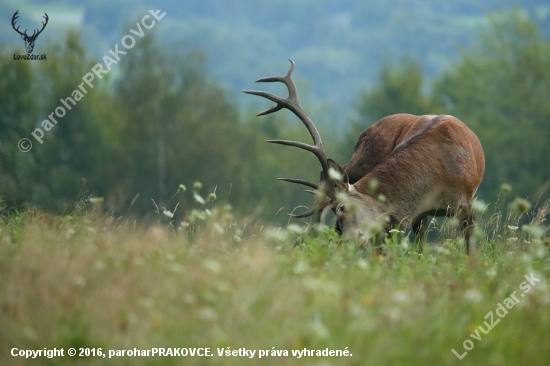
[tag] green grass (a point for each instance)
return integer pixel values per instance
(216, 281)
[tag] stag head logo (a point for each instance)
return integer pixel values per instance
(29, 40)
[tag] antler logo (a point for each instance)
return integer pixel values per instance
(29, 40)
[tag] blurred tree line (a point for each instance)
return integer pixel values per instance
(158, 120)
(154, 122)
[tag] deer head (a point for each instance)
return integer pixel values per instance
(29, 40)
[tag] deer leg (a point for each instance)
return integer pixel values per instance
(419, 227)
(466, 218)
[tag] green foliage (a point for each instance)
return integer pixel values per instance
(400, 90)
(18, 111)
(51, 174)
(155, 121)
(174, 127)
(501, 88)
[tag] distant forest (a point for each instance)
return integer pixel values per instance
(339, 46)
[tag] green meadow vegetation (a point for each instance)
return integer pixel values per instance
(218, 281)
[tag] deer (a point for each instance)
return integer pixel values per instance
(404, 168)
(29, 40)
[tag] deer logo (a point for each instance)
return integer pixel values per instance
(29, 40)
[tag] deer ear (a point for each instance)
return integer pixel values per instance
(340, 178)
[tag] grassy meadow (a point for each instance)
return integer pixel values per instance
(226, 283)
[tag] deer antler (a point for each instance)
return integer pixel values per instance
(34, 34)
(291, 103)
(43, 26)
(13, 19)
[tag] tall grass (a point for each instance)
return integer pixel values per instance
(214, 280)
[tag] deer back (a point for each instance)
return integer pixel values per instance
(436, 165)
(379, 140)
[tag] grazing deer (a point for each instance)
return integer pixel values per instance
(422, 165)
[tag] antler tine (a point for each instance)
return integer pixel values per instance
(44, 23)
(287, 80)
(321, 205)
(308, 213)
(291, 102)
(36, 31)
(314, 149)
(317, 208)
(13, 20)
(269, 96)
(300, 181)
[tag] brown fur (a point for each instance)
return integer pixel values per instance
(425, 165)
(379, 140)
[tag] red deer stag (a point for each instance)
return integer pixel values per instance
(424, 165)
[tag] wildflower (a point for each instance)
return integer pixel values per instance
(212, 265)
(473, 295)
(199, 199)
(95, 199)
(479, 206)
(505, 188)
(334, 174)
(373, 185)
(400, 296)
(519, 205)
